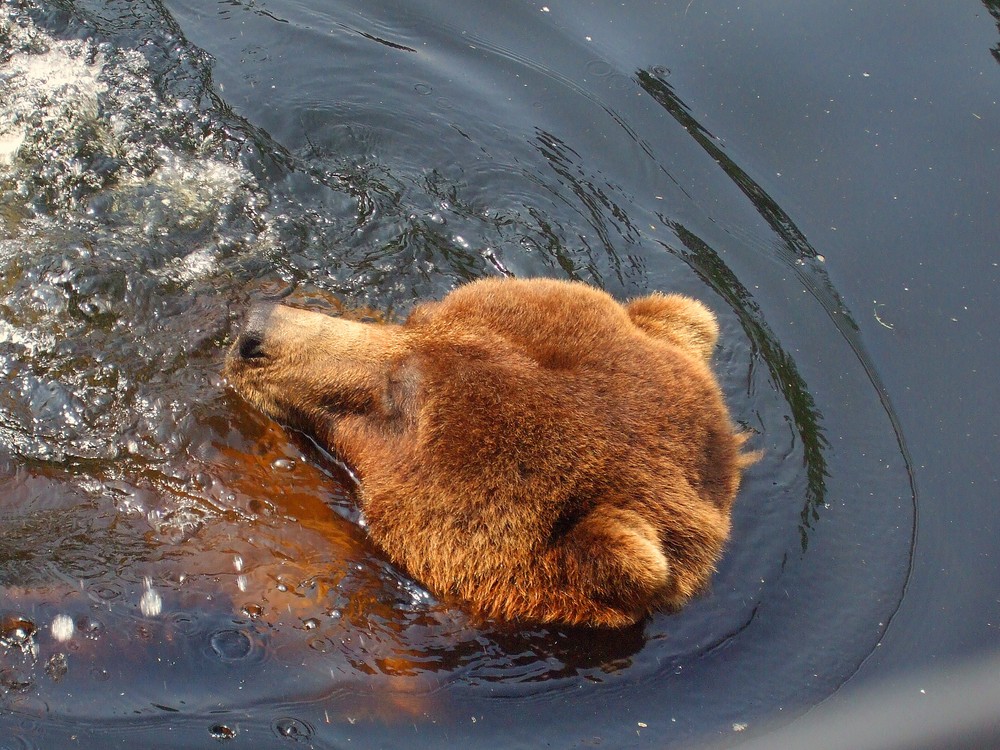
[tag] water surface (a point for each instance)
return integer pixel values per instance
(171, 559)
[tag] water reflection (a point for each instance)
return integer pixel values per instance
(993, 8)
(797, 254)
(784, 373)
(598, 211)
(713, 270)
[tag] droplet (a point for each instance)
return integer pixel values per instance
(283, 464)
(100, 674)
(310, 623)
(201, 480)
(253, 611)
(293, 729)
(62, 627)
(150, 604)
(16, 631)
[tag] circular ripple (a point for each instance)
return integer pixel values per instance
(231, 645)
(185, 623)
(17, 742)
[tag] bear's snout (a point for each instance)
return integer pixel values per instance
(250, 343)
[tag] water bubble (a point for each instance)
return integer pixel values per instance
(231, 645)
(90, 627)
(293, 729)
(310, 623)
(201, 480)
(222, 732)
(100, 674)
(283, 464)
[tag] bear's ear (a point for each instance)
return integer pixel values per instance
(683, 321)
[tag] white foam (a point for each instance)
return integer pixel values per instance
(50, 103)
(33, 342)
(53, 88)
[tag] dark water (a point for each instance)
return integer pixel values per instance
(175, 571)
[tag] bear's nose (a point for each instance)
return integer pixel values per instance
(250, 343)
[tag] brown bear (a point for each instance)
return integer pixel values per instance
(530, 448)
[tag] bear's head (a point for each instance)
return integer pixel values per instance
(531, 448)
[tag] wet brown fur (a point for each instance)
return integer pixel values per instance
(531, 448)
